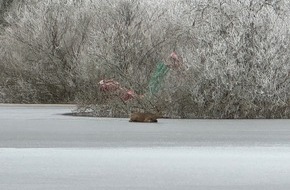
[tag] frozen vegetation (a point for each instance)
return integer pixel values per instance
(234, 55)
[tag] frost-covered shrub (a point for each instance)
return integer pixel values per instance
(235, 55)
(238, 53)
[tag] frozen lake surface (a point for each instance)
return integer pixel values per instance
(42, 149)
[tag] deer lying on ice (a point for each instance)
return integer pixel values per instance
(144, 117)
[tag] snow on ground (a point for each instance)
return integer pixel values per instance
(145, 168)
(42, 149)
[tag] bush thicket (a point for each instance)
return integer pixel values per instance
(235, 55)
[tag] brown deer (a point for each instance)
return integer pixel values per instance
(144, 117)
